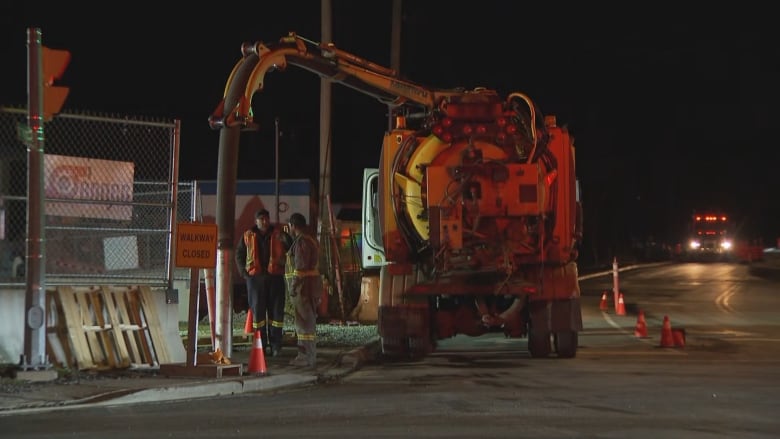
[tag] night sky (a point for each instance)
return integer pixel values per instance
(672, 110)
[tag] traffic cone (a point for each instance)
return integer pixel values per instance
(603, 305)
(621, 306)
(667, 339)
(678, 335)
(641, 326)
(249, 324)
(257, 356)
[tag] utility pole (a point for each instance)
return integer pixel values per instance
(43, 101)
(276, 165)
(326, 86)
(395, 48)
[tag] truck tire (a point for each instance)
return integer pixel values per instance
(539, 345)
(420, 347)
(566, 344)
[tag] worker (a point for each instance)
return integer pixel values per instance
(305, 288)
(260, 257)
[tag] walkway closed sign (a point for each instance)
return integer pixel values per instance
(196, 245)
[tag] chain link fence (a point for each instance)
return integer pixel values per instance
(108, 185)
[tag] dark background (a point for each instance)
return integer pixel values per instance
(672, 109)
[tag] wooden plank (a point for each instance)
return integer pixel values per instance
(123, 356)
(93, 328)
(78, 340)
(87, 315)
(153, 323)
(130, 335)
(106, 326)
(58, 346)
(201, 370)
(142, 337)
(103, 336)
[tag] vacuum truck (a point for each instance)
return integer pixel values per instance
(473, 214)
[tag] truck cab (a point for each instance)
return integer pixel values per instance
(710, 237)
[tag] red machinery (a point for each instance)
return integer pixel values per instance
(476, 204)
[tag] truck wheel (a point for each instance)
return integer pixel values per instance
(566, 344)
(392, 348)
(419, 347)
(406, 348)
(539, 345)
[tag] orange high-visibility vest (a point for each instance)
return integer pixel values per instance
(252, 257)
(277, 257)
(278, 254)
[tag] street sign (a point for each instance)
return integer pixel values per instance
(196, 245)
(24, 133)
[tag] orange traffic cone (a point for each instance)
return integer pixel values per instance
(678, 335)
(621, 306)
(667, 340)
(257, 356)
(249, 324)
(641, 326)
(603, 305)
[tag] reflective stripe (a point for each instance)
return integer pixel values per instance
(306, 273)
(307, 337)
(260, 324)
(252, 259)
(277, 257)
(277, 324)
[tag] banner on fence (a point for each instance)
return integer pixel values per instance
(100, 183)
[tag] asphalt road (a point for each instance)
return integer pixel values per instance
(722, 384)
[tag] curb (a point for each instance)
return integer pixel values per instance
(203, 390)
(271, 382)
(345, 364)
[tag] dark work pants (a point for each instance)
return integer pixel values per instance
(265, 293)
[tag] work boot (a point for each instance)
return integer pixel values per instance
(276, 349)
(310, 348)
(300, 361)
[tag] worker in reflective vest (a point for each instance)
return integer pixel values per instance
(260, 257)
(305, 288)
